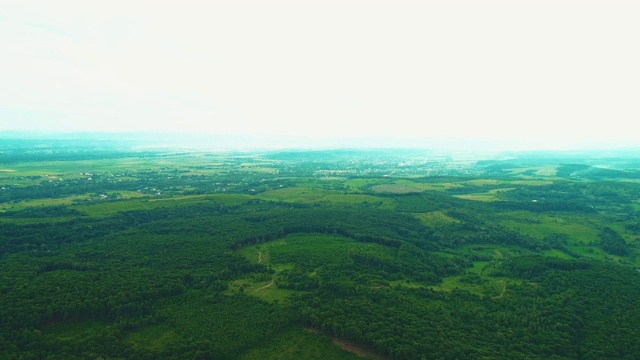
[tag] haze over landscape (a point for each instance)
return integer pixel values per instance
(319, 180)
(525, 75)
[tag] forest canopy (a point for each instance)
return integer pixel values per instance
(178, 255)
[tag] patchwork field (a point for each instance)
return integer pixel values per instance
(315, 255)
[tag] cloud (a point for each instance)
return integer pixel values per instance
(494, 70)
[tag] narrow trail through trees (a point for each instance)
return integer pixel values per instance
(504, 289)
(264, 287)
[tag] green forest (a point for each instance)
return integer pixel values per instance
(116, 253)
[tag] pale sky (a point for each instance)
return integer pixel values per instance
(531, 73)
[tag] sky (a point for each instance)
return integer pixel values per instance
(530, 74)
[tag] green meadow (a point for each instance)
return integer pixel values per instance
(173, 255)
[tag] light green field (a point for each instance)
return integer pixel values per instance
(154, 338)
(432, 186)
(72, 330)
(264, 290)
(21, 181)
(556, 253)
(332, 178)
(307, 195)
(106, 208)
(298, 248)
(195, 164)
(75, 168)
(297, 344)
(42, 202)
(484, 182)
(43, 220)
(474, 279)
(593, 252)
(479, 267)
(487, 196)
(69, 200)
(620, 228)
(258, 167)
(435, 218)
(358, 184)
(543, 225)
(297, 194)
(282, 254)
(487, 286)
(484, 197)
(394, 189)
(527, 182)
(405, 186)
(493, 250)
(543, 170)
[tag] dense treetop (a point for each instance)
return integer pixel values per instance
(399, 254)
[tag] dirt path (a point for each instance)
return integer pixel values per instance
(355, 349)
(504, 290)
(348, 346)
(259, 257)
(264, 287)
(292, 347)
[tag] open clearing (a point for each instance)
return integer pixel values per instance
(297, 344)
(490, 195)
(538, 225)
(544, 170)
(100, 209)
(154, 338)
(435, 218)
(394, 189)
(404, 185)
(306, 195)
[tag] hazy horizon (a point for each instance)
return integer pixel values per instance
(250, 142)
(525, 75)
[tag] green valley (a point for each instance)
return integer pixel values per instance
(125, 253)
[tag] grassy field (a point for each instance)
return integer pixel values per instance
(495, 251)
(154, 338)
(490, 195)
(296, 344)
(359, 184)
(435, 218)
(42, 202)
(403, 186)
(483, 182)
(298, 248)
(479, 285)
(106, 208)
(264, 290)
(313, 250)
(297, 194)
(543, 170)
(556, 253)
(70, 331)
(192, 164)
(308, 195)
(69, 200)
(539, 225)
(394, 189)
